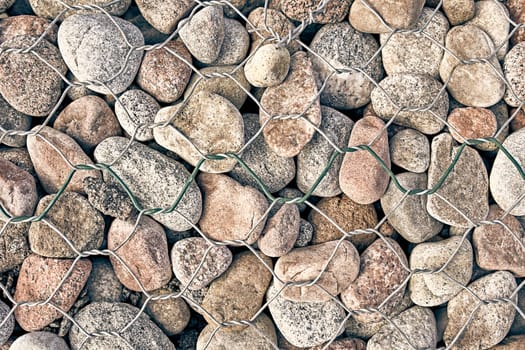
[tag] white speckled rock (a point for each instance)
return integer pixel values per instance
(136, 109)
(268, 66)
(11, 120)
(8, 326)
(514, 71)
(235, 45)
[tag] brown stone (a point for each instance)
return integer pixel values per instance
(51, 168)
(11, 27)
(281, 231)
(348, 215)
(14, 247)
(89, 121)
(362, 177)
(472, 123)
(145, 253)
(458, 11)
(306, 264)
(517, 14)
(19, 157)
(38, 279)
(261, 18)
(397, 14)
(299, 10)
(516, 342)
(518, 119)
(384, 269)
(172, 315)
(17, 190)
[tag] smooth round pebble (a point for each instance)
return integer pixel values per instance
(268, 66)
(136, 111)
(235, 45)
(410, 150)
(458, 11)
(39, 341)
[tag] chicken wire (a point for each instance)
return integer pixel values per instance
(267, 34)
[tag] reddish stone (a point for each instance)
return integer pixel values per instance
(17, 189)
(11, 27)
(472, 123)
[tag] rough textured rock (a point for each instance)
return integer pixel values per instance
(410, 150)
(517, 14)
(14, 121)
(38, 279)
(501, 112)
(51, 9)
(19, 157)
(299, 10)
(511, 343)
(8, 326)
(490, 322)
(244, 207)
(207, 123)
(103, 283)
(472, 123)
(39, 341)
(27, 83)
(465, 187)
(164, 15)
(113, 317)
(365, 187)
(135, 111)
(18, 194)
(268, 66)
(108, 198)
(5, 4)
(154, 179)
(145, 253)
(188, 254)
(14, 247)
(76, 220)
(235, 45)
(260, 19)
(295, 95)
(172, 315)
(514, 71)
(281, 231)
(94, 49)
(397, 15)
(306, 264)
(306, 232)
(458, 11)
(11, 27)
(344, 47)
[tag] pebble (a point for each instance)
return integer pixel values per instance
(289, 193)
(383, 258)
(135, 111)
(108, 198)
(207, 123)
(223, 197)
(239, 293)
(366, 187)
(465, 188)
(103, 283)
(7, 328)
(204, 34)
(27, 83)
(281, 231)
(274, 171)
(501, 112)
(38, 279)
(518, 119)
(164, 75)
(458, 11)
(410, 218)
(348, 215)
(76, 220)
(342, 46)
(89, 121)
(145, 253)
(497, 248)
(306, 264)
(154, 179)
(491, 322)
(11, 27)
(260, 20)
(433, 289)
(39, 341)
(14, 247)
(235, 45)
(410, 150)
(470, 42)
(514, 70)
(306, 232)
(188, 254)
(94, 49)
(51, 9)
(417, 324)
(164, 15)
(19, 157)
(13, 120)
(261, 337)
(517, 14)
(399, 15)
(315, 157)
(113, 317)
(414, 91)
(172, 315)
(287, 137)
(299, 10)
(305, 324)
(472, 123)
(268, 66)
(18, 194)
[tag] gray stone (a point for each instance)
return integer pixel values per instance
(316, 154)
(235, 45)
(18, 193)
(397, 15)
(108, 198)
(268, 66)
(164, 15)
(344, 47)
(112, 317)
(154, 179)
(39, 341)
(410, 150)
(414, 91)
(281, 231)
(51, 8)
(458, 11)
(465, 189)
(103, 284)
(13, 120)
(14, 247)
(306, 233)
(9, 325)
(514, 70)
(5, 4)
(135, 111)
(95, 50)
(410, 218)
(290, 193)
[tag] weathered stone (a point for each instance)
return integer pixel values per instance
(410, 150)
(501, 112)
(235, 45)
(12, 120)
(5, 4)
(103, 283)
(18, 193)
(471, 123)
(172, 315)
(8, 323)
(14, 247)
(268, 66)
(19, 157)
(397, 15)
(11, 27)
(516, 10)
(135, 111)
(261, 20)
(511, 343)
(300, 10)
(108, 198)
(458, 11)
(514, 70)
(281, 231)
(306, 232)
(39, 341)
(164, 15)
(51, 9)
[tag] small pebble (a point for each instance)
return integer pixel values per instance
(172, 315)
(39, 341)
(18, 193)
(306, 232)
(281, 231)
(135, 111)
(268, 66)
(410, 150)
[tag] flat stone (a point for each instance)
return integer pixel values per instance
(235, 45)
(154, 179)
(365, 187)
(113, 317)
(281, 231)
(89, 121)
(348, 215)
(18, 194)
(383, 258)
(432, 289)
(164, 15)
(239, 293)
(274, 171)
(164, 75)
(108, 198)
(51, 9)
(27, 83)
(472, 123)
(145, 253)
(135, 111)
(305, 324)
(417, 324)
(203, 34)
(172, 315)
(287, 137)
(316, 155)
(306, 232)
(244, 206)
(94, 49)
(470, 42)
(499, 247)
(13, 120)
(306, 264)
(76, 220)
(491, 322)
(410, 150)
(190, 254)
(103, 283)
(261, 20)
(268, 66)
(410, 218)
(342, 46)
(39, 340)
(14, 26)
(399, 15)
(513, 73)
(414, 91)
(458, 11)
(37, 281)
(14, 247)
